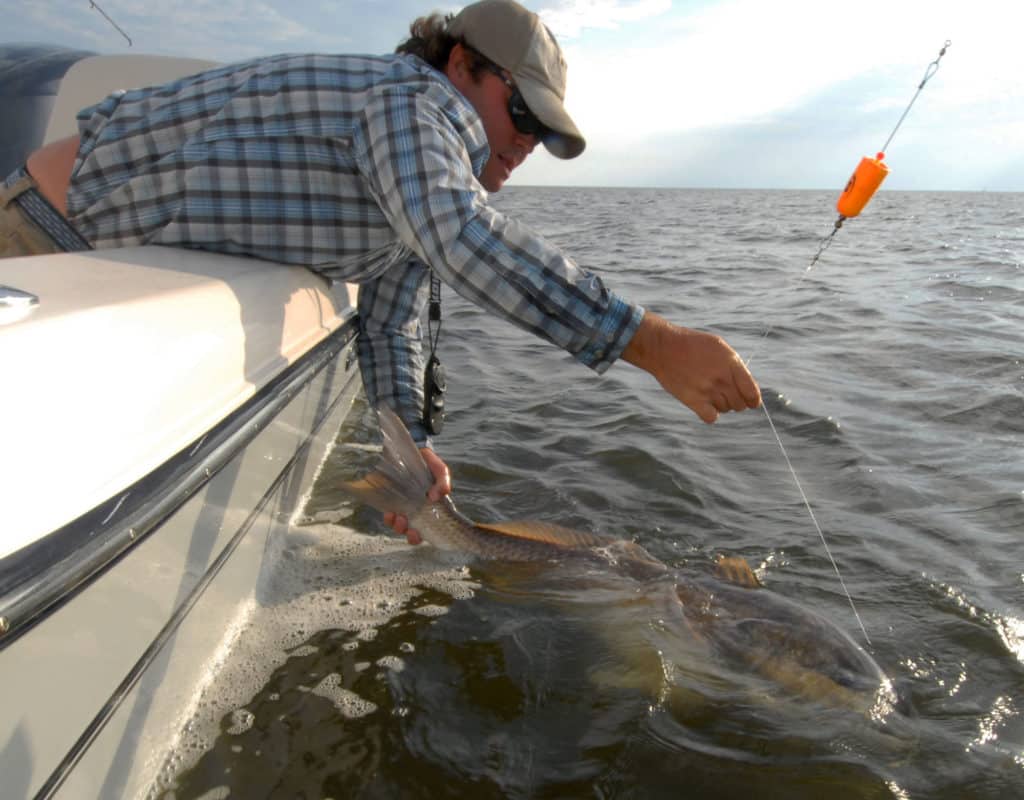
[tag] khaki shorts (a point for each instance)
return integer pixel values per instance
(19, 235)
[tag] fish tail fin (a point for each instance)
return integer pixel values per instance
(401, 479)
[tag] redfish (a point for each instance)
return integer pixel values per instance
(729, 611)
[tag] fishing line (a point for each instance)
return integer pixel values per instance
(863, 183)
(107, 17)
(821, 534)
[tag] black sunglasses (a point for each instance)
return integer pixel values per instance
(524, 120)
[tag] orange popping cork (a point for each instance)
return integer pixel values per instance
(863, 182)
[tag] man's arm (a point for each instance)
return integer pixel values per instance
(390, 343)
(419, 169)
(432, 201)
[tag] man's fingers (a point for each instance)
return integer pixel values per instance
(707, 412)
(736, 401)
(748, 388)
(442, 477)
(442, 486)
(400, 525)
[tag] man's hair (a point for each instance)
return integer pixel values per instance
(429, 39)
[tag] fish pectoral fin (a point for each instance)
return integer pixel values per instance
(548, 532)
(736, 570)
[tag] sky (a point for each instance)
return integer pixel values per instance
(691, 93)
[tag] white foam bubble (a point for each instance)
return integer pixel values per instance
(315, 578)
(346, 701)
(431, 611)
(332, 516)
(393, 663)
(216, 793)
(241, 720)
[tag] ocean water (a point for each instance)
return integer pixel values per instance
(894, 373)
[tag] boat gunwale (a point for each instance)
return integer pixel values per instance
(40, 577)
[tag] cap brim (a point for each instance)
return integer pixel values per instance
(565, 140)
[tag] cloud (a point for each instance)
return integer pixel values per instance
(570, 18)
(217, 29)
(220, 17)
(221, 30)
(740, 120)
(651, 83)
(746, 61)
(49, 20)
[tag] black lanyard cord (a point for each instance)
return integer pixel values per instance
(434, 314)
(434, 381)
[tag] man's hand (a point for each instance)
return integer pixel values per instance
(442, 486)
(699, 369)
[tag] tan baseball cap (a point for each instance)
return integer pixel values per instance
(516, 39)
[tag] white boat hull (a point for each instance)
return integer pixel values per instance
(163, 413)
(133, 556)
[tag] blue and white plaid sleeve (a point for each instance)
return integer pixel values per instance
(390, 342)
(420, 171)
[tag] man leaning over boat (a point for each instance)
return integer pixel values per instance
(370, 170)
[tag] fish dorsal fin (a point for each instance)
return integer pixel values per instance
(547, 532)
(736, 570)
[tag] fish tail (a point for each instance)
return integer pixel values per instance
(401, 479)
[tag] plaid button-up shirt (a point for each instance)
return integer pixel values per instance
(363, 169)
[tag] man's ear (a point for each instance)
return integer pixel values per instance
(457, 68)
